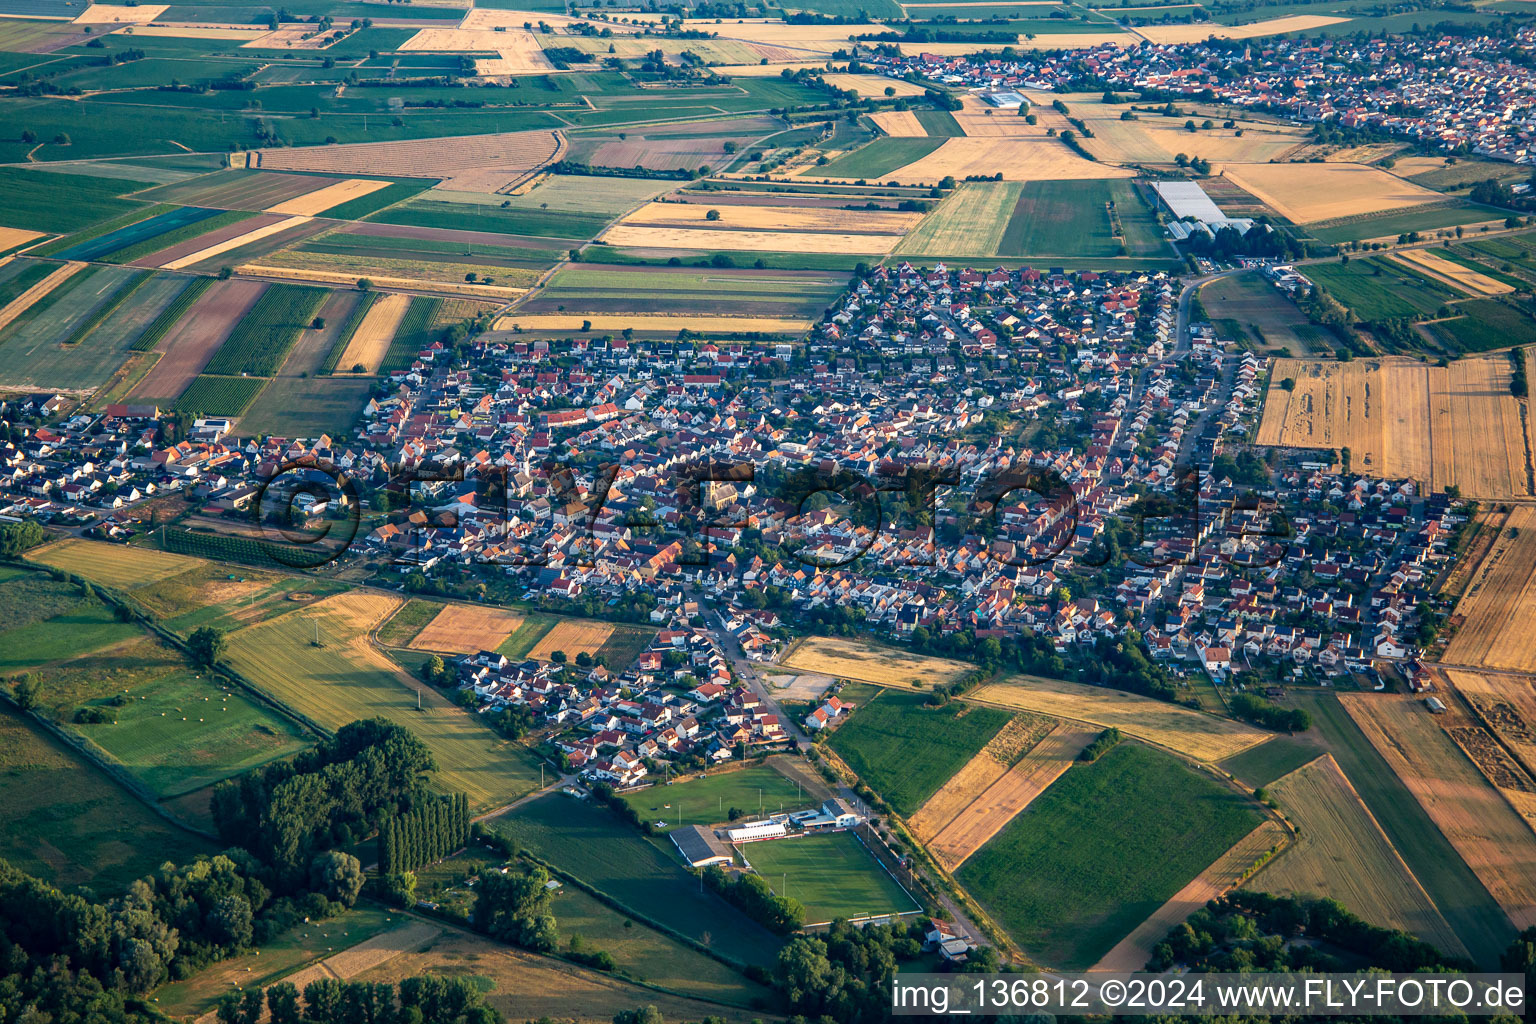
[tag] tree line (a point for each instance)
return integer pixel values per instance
(434, 829)
(427, 999)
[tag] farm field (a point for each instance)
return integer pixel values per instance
(352, 680)
(524, 986)
(756, 790)
(261, 339)
(1017, 158)
(193, 339)
(1495, 611)
(871, 663)
(832, 875)
(1491, 838)
(1078, 901)
(1307, 193)
(471, 162)
(267, 229)
(369, 343)
(1403, 418)
(647, 323)
(1483, 324)
(1192, 733)
(35, 357)
(407, 622)
(995, 806)
(1342, 853)
(645, 953)
(535, 625)
(467, 629)
(1377, 288)
(1452, 273)
(1506, 703)
(1077, 219)
(905, 749)
(777, 293)
(300, 946)
(968, 223)
(210, 395)
(68, 823)
(114, 565)
(37, 295)
(645, 876)
(1394, 222)
(1259, 310)
(174, 729)
(1132, 952)
(31, 200)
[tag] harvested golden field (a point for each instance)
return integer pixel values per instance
(771, 218)
(1401, 418)
(867, 85)
(472, 163)
(112, 14)
(821, 39)
(467, 629)
(1341, 852)
(189, 30)
(969, 222)
(112, 565)
(1192, 733)
(901, 124)
(1307, 193)
(323, 199)
(1490, 836)
(518, 52)
(1454, 274)
(997, 805)
(1507, 703)
(748, 241)
(1022, 733)
(218, 248)
(1132, 952)
(572, 636)
(10, 238)
(370, 342)
(1019, 159)
(1499, 605)
(1166, 34)
(869, 663)
(650, 322)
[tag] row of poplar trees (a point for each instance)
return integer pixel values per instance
(434, 828)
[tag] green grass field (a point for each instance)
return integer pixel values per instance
(68, 823)
(491, 217)
(527, 635)
(1484, 324)
(1377, 289)
(301, 945)
(1066, 218)
(905, 750)
(412, 618)
(346, 680)
(175, 729)
(32, 199)
(597, 289)
(1100, 850)
(78, 627)
(832, 875)
(307, 406)
(1263, 764)
(708, 800)
(1432, 218)
(1471, 912)
(879, 158)
(645, 875)
(647, 954)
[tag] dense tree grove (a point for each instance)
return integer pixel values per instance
(18, 537)
(1256, 931)
(429, 999)
(434, 829)
(514, 908)
(756, 899)
(331, 795)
